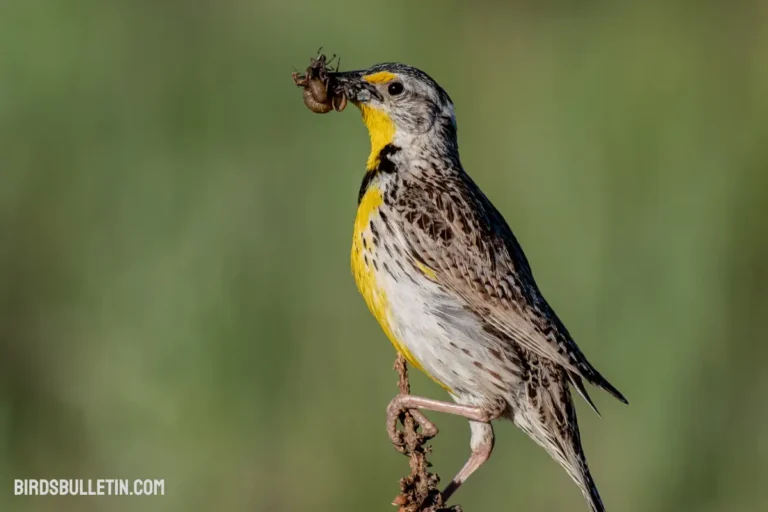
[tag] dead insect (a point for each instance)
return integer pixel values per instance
(316, 97)
(318, 88)
(319, 95)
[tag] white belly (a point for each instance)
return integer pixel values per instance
(446, 339)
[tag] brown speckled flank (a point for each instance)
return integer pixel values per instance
(443, 273)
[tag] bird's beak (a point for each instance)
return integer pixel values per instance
(354, 86)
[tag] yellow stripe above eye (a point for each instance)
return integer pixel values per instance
(380, 77)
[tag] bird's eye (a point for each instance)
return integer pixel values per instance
(395, 88)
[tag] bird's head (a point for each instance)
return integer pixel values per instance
(400, 105)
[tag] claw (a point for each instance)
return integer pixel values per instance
(428, 429)
(396, 436)
(395, 410)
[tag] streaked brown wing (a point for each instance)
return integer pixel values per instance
(459, 235)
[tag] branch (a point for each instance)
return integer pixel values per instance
(419, 491)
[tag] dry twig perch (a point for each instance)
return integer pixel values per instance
(419, 491)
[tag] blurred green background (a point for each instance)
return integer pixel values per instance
(175, 293)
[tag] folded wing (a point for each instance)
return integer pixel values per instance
(462, 242)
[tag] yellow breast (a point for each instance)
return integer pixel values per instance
(364, 271)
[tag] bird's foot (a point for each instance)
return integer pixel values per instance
(412, 419)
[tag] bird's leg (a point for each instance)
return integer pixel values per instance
(481, 443)
(412, 404)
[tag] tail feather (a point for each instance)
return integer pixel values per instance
(548, 416)
(576, 461)
(583, 478)
(589, 490)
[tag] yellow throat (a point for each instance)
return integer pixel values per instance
(381, 129)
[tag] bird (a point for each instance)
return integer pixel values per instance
(443, 274)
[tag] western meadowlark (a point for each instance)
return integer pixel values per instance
(445, 277)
